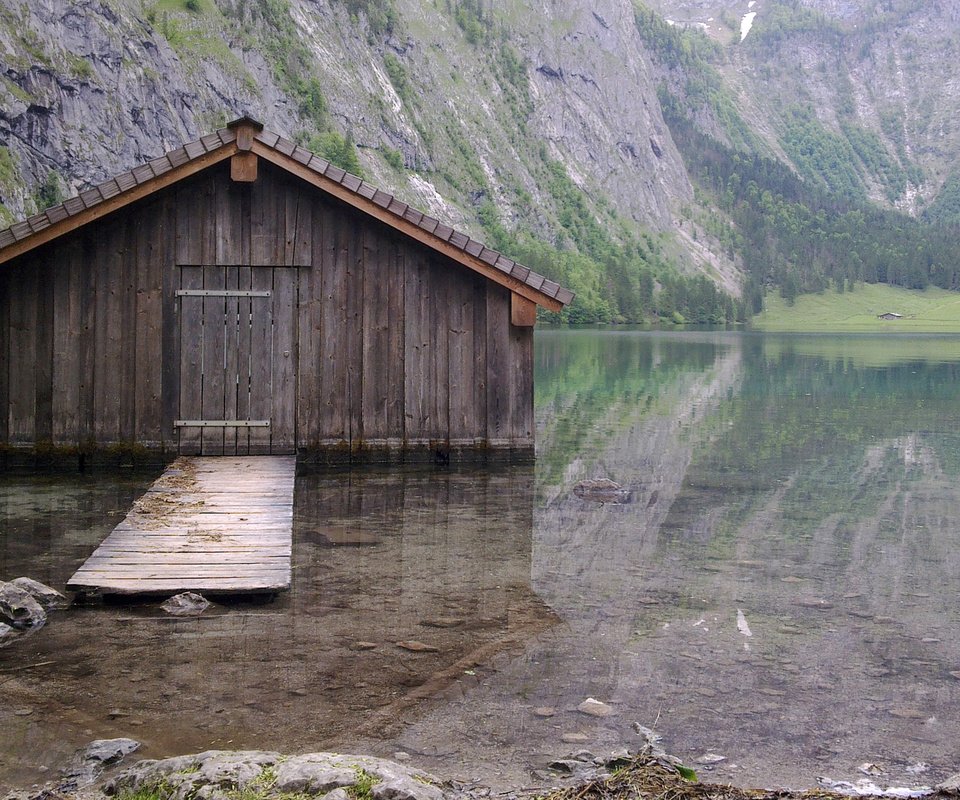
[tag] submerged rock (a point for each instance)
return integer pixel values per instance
(186, 604)
(48, 597)
(415, 646)
(594, 708)
(601, 490)
(7, 634)
(19, 609)
(708, 759)
(216, 773)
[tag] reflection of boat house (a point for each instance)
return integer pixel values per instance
(241, 295)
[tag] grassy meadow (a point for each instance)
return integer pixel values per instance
(928, 311)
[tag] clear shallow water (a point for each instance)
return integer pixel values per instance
(800, 489)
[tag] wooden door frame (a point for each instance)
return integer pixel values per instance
(282, 362)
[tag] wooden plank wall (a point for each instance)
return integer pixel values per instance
(394, 346)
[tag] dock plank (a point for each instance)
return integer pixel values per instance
(217, 525)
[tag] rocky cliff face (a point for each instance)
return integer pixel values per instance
(880, 76)
(93, 87)
(89, 89)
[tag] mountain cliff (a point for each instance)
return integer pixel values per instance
(570, 134)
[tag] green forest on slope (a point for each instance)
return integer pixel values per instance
(803, 232)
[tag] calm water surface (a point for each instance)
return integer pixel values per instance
(780, 587)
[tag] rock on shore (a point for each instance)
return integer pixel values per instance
(217, 774)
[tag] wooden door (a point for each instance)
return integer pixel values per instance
(237, 360)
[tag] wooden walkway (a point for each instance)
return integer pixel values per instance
(215, 525)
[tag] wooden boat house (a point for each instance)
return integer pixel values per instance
(242, 295)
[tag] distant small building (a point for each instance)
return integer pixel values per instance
(241, 295)
(890, 315)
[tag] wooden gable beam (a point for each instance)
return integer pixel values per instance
(523, 312)
(243, 167)
(404, 226)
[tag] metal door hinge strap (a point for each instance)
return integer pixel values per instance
(221, 423)
(220, 293)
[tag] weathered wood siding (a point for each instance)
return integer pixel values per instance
(391, 346)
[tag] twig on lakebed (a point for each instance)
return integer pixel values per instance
(27, 666)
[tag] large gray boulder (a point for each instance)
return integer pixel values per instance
(19, 609)
(7, 634)
(89, 762)
(48, 597)
(186, 604)
(215, 774)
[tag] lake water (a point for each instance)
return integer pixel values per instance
(778, 585)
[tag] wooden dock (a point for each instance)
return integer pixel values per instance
(217, 525)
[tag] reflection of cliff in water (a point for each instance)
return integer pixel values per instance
(618, 407)
(436, 560)
(663, 391)
(789, 601)
(780, 590)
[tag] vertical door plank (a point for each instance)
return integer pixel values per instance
(229, 247)
(229, 228)
(191, 359)
(204, 223)
(66, 345)
(479, 304)
(308, 317)
(333, 374)
(192, 235)
(89, 275)
(261, 193)
(499, 383)
(283, 424)
(418, 354)
(309, 355)
(244, 331)
(170, 323)
(354, 326)
(268, 219)
(245, 321)
(521, 370)
(442, 277)
(394, 378)
(23, 355)
(295, 221)
(261, 359)
(149, 355)
(461, 362)
(107, 374)
(128, 234)
(214, 346)
(231, 358)
(44, 328)
(5, 355)
(375, 322)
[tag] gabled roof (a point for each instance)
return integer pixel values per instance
(247, 135)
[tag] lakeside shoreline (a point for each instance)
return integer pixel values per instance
(103, 770)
